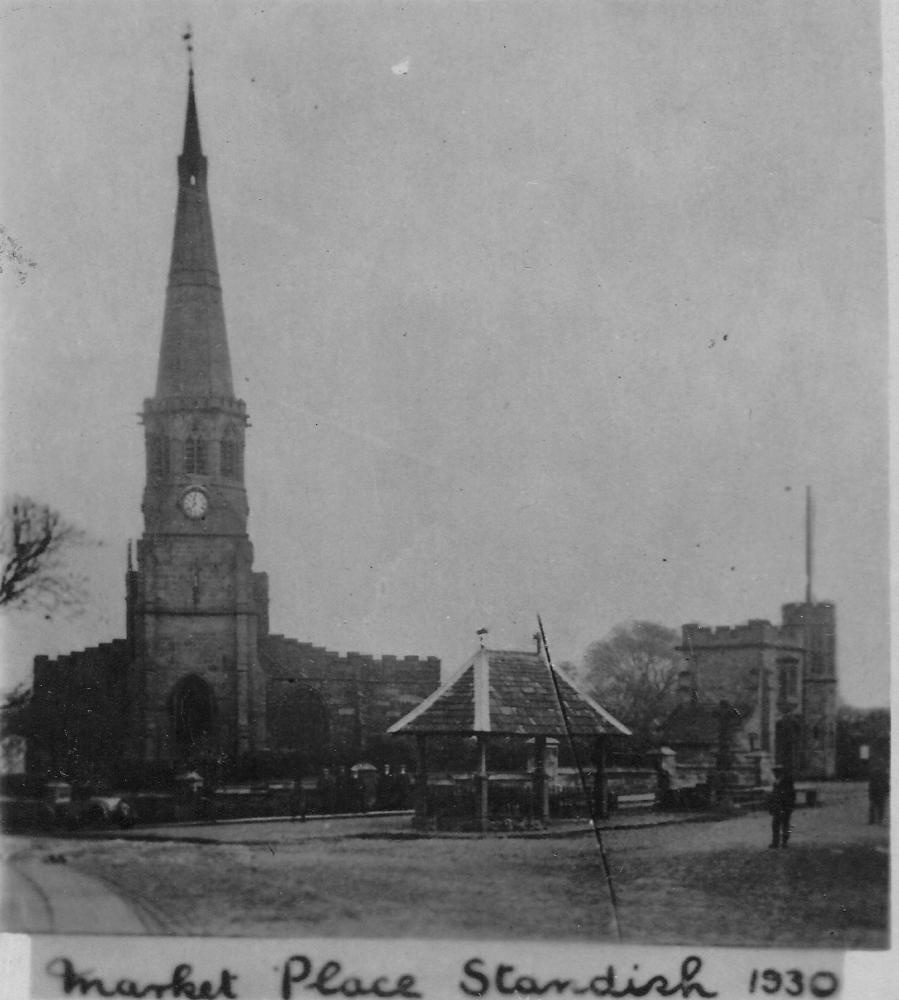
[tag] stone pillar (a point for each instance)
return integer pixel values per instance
(541, 788)
(421, 777)
(483, 800)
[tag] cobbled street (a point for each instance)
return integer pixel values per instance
(713, 882)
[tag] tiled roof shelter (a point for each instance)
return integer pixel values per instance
(509, 693)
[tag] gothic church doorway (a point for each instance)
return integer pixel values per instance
(192, 708)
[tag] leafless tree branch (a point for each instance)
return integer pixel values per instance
(34, 543)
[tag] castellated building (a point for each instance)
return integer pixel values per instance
(198, 676)
(776, 683)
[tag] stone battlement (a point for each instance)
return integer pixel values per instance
(102, 651)
(756, 631)
(385, 662)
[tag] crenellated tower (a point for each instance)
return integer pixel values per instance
(195, 607)
(781, 678)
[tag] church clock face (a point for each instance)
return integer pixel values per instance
(194, 503)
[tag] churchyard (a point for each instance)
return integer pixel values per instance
(712, 882)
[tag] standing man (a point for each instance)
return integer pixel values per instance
(780, 805)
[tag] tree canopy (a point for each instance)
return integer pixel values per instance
(633, 673)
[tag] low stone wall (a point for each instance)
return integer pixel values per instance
(23, 814)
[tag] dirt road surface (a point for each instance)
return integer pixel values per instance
(714, 883)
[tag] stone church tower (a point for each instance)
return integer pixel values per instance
(194, 603)
(199, 681)
(779, 680)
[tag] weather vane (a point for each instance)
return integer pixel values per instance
(187, 38)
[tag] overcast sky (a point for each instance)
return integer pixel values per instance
(548, 307)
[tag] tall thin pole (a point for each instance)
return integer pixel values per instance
(613, 899)
(809, 514)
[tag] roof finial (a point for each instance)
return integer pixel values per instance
(191, 158)
(187, 38)
(482, 635)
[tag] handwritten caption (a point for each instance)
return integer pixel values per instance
(299, 975)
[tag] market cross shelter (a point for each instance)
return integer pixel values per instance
(199, 677)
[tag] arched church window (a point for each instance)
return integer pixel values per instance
(196, 455)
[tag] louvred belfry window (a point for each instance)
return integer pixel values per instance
(195, 455)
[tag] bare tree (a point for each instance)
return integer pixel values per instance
(633, 672)
(15, 712)
(34, 540)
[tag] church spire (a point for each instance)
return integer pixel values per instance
(193, 360)
(191, 157)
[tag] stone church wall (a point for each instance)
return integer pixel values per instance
(334, 709)
(78, 713)
(192, 571)
(189, 645)
(353, 698)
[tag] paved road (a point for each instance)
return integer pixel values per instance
(41, 894)
(151, 894)
(841, 817)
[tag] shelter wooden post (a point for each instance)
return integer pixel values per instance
(541, 789)
(421, 777)
(600, 780)
(483, 803)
